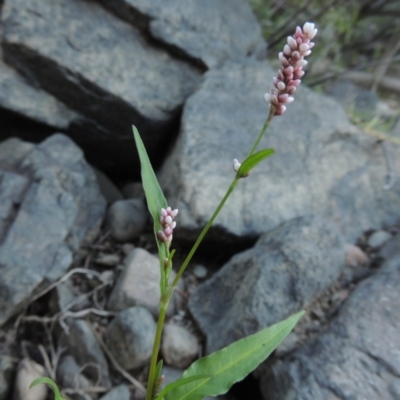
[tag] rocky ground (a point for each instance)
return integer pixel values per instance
(315, 227)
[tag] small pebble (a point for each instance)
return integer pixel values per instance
(379, 238)
(127, 248)
(108, 259)
(130, 337)
(28, 371)
(107, 277)
(179, 347)
(355, 256)
(200, 271)
(289, 344)
(126, 219)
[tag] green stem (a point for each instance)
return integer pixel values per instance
(156, 347)
(262, 132)
(166, 298)
(203, 232)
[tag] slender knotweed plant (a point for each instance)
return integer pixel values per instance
(216, 373)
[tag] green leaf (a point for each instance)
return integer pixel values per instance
(232, 363)
(51, 383)
(154, 196)
(250, 162)
(158, 369)
(178, 383)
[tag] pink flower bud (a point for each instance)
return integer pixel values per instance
(292, 43)
(236, 165)
(304, 47)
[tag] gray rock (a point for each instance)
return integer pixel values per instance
(379, 238)
(13, 151)
(179, 347)
(394, 388)
(139, 284)
(18, 96)
(391, 248)
(120, 392)
(357, 357)
(206, 31)
(7, 371)
(323, 165)
(287, 268)
(69, 376)
(100, 67)
(130, 337)
(53, 207)
(62, 297)
(110, 192)
(126, 219)
(85, 348)
(133, 190)
(171, 374)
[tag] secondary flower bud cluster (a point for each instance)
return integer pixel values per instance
(291, 71)
(167, 221)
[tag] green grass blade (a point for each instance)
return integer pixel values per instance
(232, 363)
(52, 384)
(154, 196)
(250, 162)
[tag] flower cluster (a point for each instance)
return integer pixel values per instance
(291, 72)
(167, 221)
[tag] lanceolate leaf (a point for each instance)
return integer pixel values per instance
(232, 363)
(250, 162)
(179, 382)
(154, 195)
(52, 384)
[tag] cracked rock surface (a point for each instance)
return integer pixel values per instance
(358, 356)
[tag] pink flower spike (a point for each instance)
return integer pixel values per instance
(292, 62)
(168, 224)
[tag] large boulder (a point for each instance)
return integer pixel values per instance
(50, 204)
(206, 31)
(357, 357)
(100, 67)
(323, 164)
(287, 268)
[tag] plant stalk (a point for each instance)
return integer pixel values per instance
(165, 299)
(156, 347)
(263, 130)
(204, 232)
